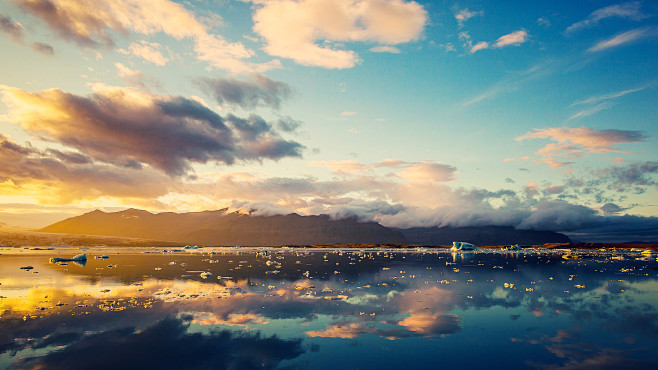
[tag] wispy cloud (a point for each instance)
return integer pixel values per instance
(590, 111)
(131, 76)
(43, 48)
(11, 28)
(465, 14)
(149, 51)
(629, 10)
(385, 49)
(511, 82)
(579, 142)
(621, 39)
(610, 96)
(511, 39)
(293, 29)
(602, 102)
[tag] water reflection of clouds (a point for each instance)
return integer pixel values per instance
(168, 344)
(419, 296)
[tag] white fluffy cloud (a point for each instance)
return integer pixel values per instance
(307, 31)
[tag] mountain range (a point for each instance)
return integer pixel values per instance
(223, 228)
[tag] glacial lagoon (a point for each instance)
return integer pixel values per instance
(328, 309)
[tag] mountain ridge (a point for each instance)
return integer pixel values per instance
(222, 228)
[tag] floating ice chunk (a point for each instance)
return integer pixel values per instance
(463, 246)
(272, 263)
(514, 247)
(102, 257)
(27, 268)
(76, 258)
(205, 275)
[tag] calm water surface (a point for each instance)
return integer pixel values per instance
(328, 309)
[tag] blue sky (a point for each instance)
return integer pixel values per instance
(533, 115)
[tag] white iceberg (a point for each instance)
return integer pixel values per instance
(463, 246)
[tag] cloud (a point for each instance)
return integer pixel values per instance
(260, 91)
(514, 38)
(609, 209)
(590, 111)
(42, 48)
(94, 24)
(54, 176)
(149, 51)
(292, 28)
(127, 127)
(581, 141)
(482, 45)
(385, 49)
(512, 81)
(610, 96)
(630, 10)
(465, 14)
(621, 39)
(135, 78)
(288, 124)
(620, 178)
(543, 22)
(11, 28)
(602, 102)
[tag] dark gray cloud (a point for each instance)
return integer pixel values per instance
(128, 128)
(288, 124)
(13, 29)
(633, 174)
(259, 92)
(611, 209)
(42, 48)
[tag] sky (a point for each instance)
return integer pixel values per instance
(536, 115)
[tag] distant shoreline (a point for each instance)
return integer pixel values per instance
(40, 240)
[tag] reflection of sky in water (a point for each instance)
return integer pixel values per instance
(327, 309)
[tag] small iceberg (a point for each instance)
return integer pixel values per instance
(205, 275)
(463, 246)
(76, 258)
(514, 247)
